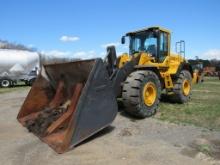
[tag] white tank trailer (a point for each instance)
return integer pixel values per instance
(18, 65)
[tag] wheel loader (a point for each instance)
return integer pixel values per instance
(70, 102)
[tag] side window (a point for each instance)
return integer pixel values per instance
(150, 45)
(164, 42)
(163, 45)
(137, 44)
(150, 41)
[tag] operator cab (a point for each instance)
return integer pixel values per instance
(154, 40)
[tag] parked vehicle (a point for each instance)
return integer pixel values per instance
(210, 71)
(18, 65)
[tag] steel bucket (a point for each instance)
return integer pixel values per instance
(68, 103)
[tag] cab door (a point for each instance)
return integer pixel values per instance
(163, 46)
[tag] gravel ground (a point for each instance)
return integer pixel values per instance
(126, 141)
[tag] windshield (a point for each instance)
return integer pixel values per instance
(143, 42)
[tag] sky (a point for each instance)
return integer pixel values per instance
(83, 28)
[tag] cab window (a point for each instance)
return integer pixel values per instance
(163, 46)
(144, 42)
(150, 45)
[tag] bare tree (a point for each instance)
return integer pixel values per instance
(9, 45)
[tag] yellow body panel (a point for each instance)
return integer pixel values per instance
(171, 62)
(123, 59)
(167, 68)
(146, 59)
(195, 77)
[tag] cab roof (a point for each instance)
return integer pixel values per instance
(147, 29)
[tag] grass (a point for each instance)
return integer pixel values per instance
(12, 89)
(203, 110)
(205, 148)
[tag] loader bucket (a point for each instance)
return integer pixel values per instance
(68, 103)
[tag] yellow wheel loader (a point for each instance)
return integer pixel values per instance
(198, 74)
(69, 102)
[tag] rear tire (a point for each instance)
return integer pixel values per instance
(182, 87)
(141, 93)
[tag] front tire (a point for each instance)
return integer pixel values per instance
(141, 93)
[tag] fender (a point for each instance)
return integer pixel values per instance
(184, 66)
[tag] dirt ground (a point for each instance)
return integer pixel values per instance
(126, 141)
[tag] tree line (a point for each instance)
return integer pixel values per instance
(206, 63)
(15, 46)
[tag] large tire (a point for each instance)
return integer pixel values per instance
(141, 93)
(5, 83)
(182, 87)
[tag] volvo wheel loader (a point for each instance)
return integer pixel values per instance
(69, 102)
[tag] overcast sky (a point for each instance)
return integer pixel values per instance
(83, 28)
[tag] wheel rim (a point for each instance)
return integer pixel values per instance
(186, 87)
(5, 83)
(149, 93)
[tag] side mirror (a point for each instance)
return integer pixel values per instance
(123, 40)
